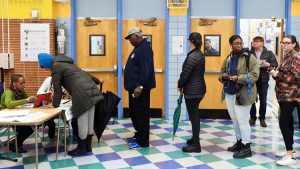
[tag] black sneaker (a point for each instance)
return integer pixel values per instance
(236, 147)
(244, 152)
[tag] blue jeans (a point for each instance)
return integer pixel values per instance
(239, 115)
(262, 89)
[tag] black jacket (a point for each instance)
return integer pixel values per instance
(139, 69)
(192, 75)
(269, 57)
(77, 82)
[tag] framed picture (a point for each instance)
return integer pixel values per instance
(149, 39)
(212, 45)
(97, 45)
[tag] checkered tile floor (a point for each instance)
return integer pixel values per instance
(164, 152)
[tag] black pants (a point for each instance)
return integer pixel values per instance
(139, 108)
(192, 106)
(262, 89)
(23, 132)
(286, 123)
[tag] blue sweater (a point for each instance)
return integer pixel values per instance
(139, 69)
(233, 63)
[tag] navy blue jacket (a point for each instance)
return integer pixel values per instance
(139, 69)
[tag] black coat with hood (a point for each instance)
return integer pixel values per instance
(77, 82)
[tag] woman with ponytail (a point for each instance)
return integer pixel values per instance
(287, 78)
(192, 84)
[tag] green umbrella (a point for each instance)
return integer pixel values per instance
(176, 116)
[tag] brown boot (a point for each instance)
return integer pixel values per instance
(263, 123)
(252, 121)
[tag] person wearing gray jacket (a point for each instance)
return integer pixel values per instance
(83, 89)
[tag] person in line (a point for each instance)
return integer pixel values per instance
(192, 85)
(239, 74)
(13, 97)
(139, 80)
(85, 94)
(267, 60)
(287, 77)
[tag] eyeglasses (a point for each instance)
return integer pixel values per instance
(285, 43)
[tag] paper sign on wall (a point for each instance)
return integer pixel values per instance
(35, 39)
(177, 45)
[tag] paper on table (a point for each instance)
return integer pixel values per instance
(14, 113)
(32, 117)
(28, 118)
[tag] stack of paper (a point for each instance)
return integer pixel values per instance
(20, 116)
(14, 113)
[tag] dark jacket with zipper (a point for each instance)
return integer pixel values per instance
(139, 69)
(270, 58)
(192, 75)
(79, 84)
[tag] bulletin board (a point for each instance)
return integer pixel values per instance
(35, 39)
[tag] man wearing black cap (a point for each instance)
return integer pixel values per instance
(139, 79)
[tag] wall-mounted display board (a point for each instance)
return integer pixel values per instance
(35, 39)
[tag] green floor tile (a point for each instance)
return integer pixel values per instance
(92, 166)
(208, 158)
(177, 154)
(241, 162)
(62, 163)
(274, 165)
(217, 141)
(148, 151)
(182, 124)
(31, 159)
(11, 155)
(159, 122)
(100, 144)
(165, 135)
(122, 130)
(121, 147)
(202, 126)
(224, 128)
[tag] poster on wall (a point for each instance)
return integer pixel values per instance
(97, 45)
(212, 45)
(35, 39)
(177, 45)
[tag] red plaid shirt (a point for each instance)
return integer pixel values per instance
(288, 79)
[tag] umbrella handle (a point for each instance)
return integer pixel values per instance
(181, 91)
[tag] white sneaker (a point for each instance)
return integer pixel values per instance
(287, 160)
(283, 153)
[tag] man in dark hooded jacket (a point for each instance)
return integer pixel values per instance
(267, 60)
(85, 94)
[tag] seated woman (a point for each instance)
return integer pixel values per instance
(13, 97)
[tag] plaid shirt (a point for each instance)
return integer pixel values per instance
(288, 79)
